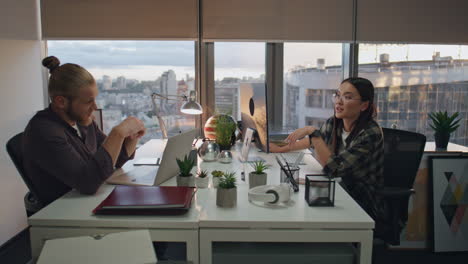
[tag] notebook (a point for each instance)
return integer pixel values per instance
(146, 200)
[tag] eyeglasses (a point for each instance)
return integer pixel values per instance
(345, 98)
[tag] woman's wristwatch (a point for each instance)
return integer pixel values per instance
(316, 133)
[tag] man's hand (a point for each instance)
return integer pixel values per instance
(299, 133)
(131, 127)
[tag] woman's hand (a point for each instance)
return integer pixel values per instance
(299, 133)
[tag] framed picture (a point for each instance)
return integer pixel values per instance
(98, 118)
(449, 195)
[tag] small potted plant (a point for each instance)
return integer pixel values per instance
(202, 180)
(443, 125)
(185, 177)
(225, 128)
(216, 176)
(226, 194)
(258, 176)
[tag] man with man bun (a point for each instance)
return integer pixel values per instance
(63, 147)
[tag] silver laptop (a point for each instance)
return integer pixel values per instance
(176, 147)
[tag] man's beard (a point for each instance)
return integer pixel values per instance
(77, 118)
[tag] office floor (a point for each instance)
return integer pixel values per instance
(18, 251)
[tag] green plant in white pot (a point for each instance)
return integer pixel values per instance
(258, 176)
(216, 176)
(185, 177)
(202, 180)
(443, 125)
(226, 194)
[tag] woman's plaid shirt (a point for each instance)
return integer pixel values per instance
(360, 165)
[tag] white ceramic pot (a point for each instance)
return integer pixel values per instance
(226, 197)
(215, 181)
(186, 181)
(202, 182)
(257, 179)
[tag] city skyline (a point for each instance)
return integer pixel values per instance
(147, 60)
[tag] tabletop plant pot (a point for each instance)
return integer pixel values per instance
(258, 176)
(185, 177)
(202, 180)
(216, 176)
(443, 126)
(226, 194)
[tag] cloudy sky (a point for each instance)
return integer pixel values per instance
(147, 60)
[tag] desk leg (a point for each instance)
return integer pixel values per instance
(365, 248)
(206, 248)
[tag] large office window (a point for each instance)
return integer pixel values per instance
(128, 72)
(236, 63)
(312, 72)
(412, 80)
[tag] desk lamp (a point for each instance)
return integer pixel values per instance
(190, 107)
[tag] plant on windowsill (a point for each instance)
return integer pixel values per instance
(443, 125)
(185, 177)
(202, 180)
(226, 194)
(258, 176)
(225, 128)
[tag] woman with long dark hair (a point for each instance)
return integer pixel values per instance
(349, 145)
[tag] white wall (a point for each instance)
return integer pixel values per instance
(21, 95)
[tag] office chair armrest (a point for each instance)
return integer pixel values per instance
(395, 192)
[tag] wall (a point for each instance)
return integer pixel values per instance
(21, 95)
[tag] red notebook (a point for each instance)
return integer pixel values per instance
(146, 200)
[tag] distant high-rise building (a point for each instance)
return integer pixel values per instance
(168, 86)
(121, 83)
(106, 82)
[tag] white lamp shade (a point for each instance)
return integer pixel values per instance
(191, 108)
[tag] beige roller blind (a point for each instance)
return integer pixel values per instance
(120, 19)
(413, 21)
(277, 20)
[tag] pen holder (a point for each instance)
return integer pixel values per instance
(320, 190)
(295, 173)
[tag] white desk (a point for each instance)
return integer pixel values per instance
(251, 222)
(206, 223)
(71, 216)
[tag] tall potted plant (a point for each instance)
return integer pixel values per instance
(225, 128)
(443, 125)
(226, 194)
(185, 177)
(258, 176)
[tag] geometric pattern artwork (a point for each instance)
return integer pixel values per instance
(454, 203)
(449, 202)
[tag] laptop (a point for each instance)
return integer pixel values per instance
(244, 157)
(176, 147)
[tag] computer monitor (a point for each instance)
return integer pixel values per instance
(254, 112)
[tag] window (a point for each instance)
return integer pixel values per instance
(236, 63)
(128, 72)
(412, 80)
(312, 72)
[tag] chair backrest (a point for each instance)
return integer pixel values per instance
(14, 148)
(403, 152)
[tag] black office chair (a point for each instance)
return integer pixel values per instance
(403, 152)
(14, 148)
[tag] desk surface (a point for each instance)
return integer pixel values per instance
(451, 147)
(74, 210)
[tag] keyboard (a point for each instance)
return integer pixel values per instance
(291, 157)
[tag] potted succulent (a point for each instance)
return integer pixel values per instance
(258, 176)
(226, 194)
(225, 128)
(202, 180)
(216, 176)
(443, 125)
(185, 177)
